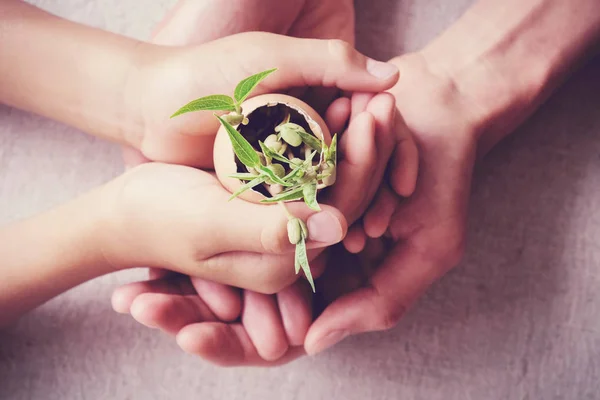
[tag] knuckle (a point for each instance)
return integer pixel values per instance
(340, 50)
(389, 317)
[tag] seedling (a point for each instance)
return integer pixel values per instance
(285, 162)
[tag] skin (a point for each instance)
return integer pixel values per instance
(248, 328)
(458, 97)
(114, 89)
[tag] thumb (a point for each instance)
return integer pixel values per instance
(263, 228)
(316, 62)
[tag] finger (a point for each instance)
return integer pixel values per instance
(296, 312)
(169, 312)
(395, 286)
(310, 62)
(224, 301)
(405, 161)
(264, 229)
(336, 116)
(123, 296)
(360, 101)
(357, 147)
(383, 109)
(227, 345)
(356, 239)
(262, 321)
(377, 219)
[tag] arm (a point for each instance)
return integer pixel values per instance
(48, 254)
(504, 58)
(72, 73)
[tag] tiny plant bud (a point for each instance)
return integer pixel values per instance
(289, 133)
(275, 189)
(233, 118)
(297, 230)
(294, 230)
(278, 170)
(272, 143)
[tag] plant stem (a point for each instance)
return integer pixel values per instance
(287, 212)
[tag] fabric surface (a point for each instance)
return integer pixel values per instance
(517, 320)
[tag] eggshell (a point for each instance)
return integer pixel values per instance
(224, 157)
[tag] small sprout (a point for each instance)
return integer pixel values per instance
(233, 118)
(275, 189)
(297, 230)
(274, 144)
(290, 135)
(275, 165)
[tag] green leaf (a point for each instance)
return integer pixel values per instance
(310, 140)
(296, 262)
(243, 150)
(243, 176)
(310, 196)
(302, 259)
(293, 173)
(271, 154)
(289, 195)
(332, 151)
(247, 186)
(267, 173)
(243, 89)
(217, 102)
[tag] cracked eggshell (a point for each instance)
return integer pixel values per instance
(224, 157)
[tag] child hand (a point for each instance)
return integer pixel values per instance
(230, 327)
(180, 218)
(171, 77)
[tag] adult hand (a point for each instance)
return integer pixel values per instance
(427, 229)
(197, 22)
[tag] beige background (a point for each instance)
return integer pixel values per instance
(518, 320)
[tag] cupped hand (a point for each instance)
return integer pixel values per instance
(170, 77)
(181, 219)
(230, 327)
(426, 232)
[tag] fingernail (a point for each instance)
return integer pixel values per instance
(328, 341)
(381, 70)
(324, 227)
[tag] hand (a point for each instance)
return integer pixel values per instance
(196, 22)
(179, 218)
(171, 77)
(427, 230)
(209, 320)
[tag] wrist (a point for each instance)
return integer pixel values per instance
(503, 59)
